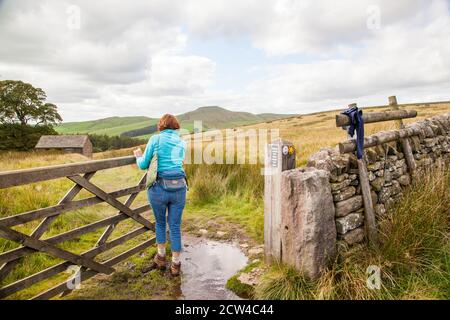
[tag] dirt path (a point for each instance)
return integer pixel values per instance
(207, 265)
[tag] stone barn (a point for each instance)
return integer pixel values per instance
(68, 143)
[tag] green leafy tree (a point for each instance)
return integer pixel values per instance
(48, 114)
(103, 142)
(22, 103)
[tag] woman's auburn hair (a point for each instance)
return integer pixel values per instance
(168, 121)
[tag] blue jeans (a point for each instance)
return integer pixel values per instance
(173, 203)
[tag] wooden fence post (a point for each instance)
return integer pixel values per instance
(406, 146)
(394, 106)
(280, 156)
(369, 215)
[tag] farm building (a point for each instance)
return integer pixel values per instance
(68, 143)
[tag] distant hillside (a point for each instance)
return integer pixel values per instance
(219, 118)
(113, 126)
(142, 127)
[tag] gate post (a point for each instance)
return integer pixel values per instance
(308, 225)
(279, 157)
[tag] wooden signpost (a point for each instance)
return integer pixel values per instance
(280, 156)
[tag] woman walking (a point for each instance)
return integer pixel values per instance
(168, 192)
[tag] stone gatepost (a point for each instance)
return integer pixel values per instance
(308, 234)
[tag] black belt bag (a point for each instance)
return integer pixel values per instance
(173, 184)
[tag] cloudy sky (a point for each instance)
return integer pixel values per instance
(104, 58)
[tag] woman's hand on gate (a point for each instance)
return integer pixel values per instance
(137, 153)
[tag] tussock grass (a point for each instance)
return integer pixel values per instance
(210, 183)
(208, 187)
(285, 283)
(413, 254)
(230, 192)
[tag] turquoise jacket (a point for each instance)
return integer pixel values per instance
(171, 151)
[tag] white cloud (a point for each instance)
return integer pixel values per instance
(180, 74)
(118, 48)
(399, 58)
(290, 26)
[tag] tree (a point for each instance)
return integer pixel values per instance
(18, 137)
(47, 114)
(22, 103)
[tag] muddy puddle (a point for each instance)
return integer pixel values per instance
(207, 265)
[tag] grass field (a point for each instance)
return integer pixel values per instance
(221, 197)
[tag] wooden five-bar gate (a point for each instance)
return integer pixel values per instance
(80, 174)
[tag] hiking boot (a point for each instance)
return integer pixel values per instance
(175, 269)
(159, 263)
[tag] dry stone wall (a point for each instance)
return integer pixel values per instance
(388, 174)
